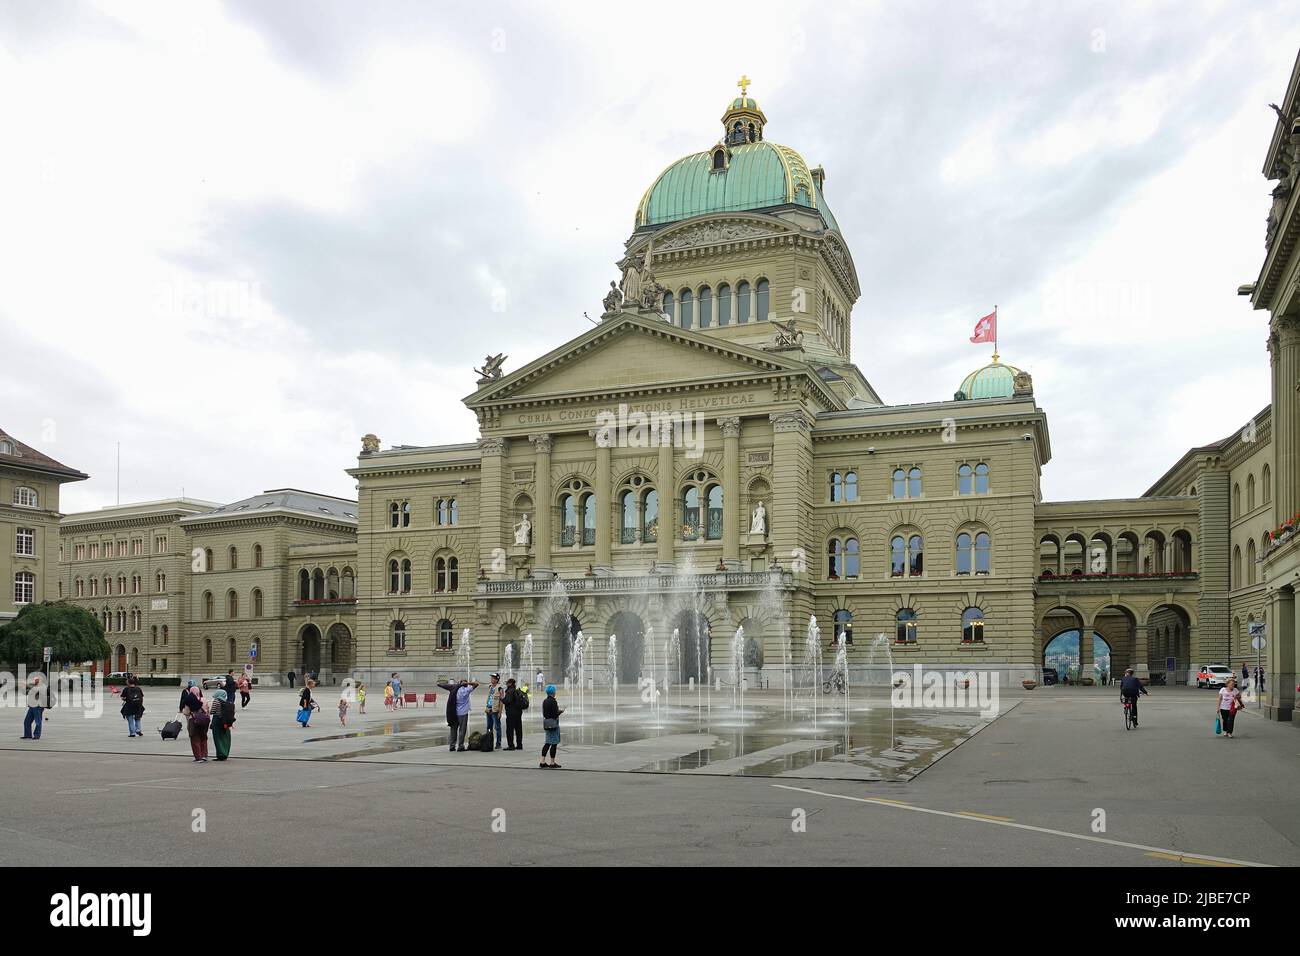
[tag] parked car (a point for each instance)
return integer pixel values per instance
(214, 683)
(1212, 675)
(1050, 676)
(117, 678)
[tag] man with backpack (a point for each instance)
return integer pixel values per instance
(515, 702)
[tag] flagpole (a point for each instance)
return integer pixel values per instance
(995, 334)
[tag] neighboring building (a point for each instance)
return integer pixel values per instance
(128, 565)
(272, 582)
(29, 525)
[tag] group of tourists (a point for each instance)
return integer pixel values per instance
(202, 716)
(508, 701)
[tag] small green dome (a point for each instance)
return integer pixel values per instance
(994, 380)
(756, 176)
(744, 103)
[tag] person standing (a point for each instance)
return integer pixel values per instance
(223, 718)
(1229, 703)
(1245, 674)
(231, 686)
(515, 702)
(1259, 679)
(343, 709)
(494, 708)
(305, 704)
(245, 690)
(38, 698)
(462, 710)
(551, 711)
(197, 720)
(361, 698)
(453, 722)
(397, 690)
(132, 705)
(540, 682)
(292, 675)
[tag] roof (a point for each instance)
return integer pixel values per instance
(140, 509)
(759, 175)
(27, 457)
(995, 380)
(282, 500)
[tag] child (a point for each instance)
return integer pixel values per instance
(343, 709)
(388, 695)
(361, 698)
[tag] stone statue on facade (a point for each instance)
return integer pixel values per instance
(613, 298)
(369, 444)
(523, 531)
(787, 336)
(634, 270)
(652, 294)
(758, 524)
(491, 370)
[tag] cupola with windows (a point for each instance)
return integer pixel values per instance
(995, 380)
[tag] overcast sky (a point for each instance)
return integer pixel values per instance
(235, 237)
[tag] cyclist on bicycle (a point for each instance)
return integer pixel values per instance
(1129, 690)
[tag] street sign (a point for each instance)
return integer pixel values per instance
(248, 668)
(1257, 628)
(1258, 643)
(49, 652)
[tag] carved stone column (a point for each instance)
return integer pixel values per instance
(542, 519)
(788, 512)
(1285, 348)
(604, 507)
(1140, 668)
(730, 490)
(667, 485)
(491, 501)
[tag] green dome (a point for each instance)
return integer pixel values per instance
(994, 380)
(757, 176)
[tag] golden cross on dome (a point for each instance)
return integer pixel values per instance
(743, 83)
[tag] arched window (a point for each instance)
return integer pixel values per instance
(207, 559)
(397, 636)
(724, 304)
(914, 483)
(713, 516)
(588, 519)
(972, 626)
(837, 486)
(719, 159)
(234, 557)
(851, 486)
(453, 574)
(318, 585)
(332, 584)
(905, 626)
(568, 521)
(1236, 567)
(691, 514)
(742, 303)
(207, 605)
(232, 605)
(965, 553)
(394, 576)
(852, 558)
(453, 512)
(983, 553)
(406, 514)
(834, 559)
(897, 556)
(440, 574)
(394, 514)
(349, 585)
(406, 575)
(442, 511)
(161, 580)
(207, 650)
(981, 479)
(687, 307)
(165, 636)
(257, 602)
(1265, 479)
(257, 555)
(668, 306)
(915, 555)
(26, 497)
(1236, 500)
(230, 646)
(706, 307)
(304, 585)
(445, 629)
(1250, 492)
(844, 626)
(627, 502)
(1250, 563)
(153, 635)
(898, 487)
(762, 300)
(650, 516)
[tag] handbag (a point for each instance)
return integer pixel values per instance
(550, 723)
(1218, 725)
(304, 715)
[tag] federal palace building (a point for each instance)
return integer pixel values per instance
(708, 455)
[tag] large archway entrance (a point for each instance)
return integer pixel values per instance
(1169, 645)
(119, 655)
(692, 629)
(563, 628)
(310, 650)
(629, 630)
(1075, 662)
(339, 643)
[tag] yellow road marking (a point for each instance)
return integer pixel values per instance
(1183, 858)
(983, 816)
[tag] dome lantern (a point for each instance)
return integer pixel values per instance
(995, 380)
(743, 121)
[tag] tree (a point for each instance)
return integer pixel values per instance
(74, 633)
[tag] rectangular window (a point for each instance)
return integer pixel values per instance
(137, 546)
(26, 541)
(160, 545)
(24, 587)
(81, 552)
(94, 551)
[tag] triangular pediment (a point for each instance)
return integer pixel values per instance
(630, 352)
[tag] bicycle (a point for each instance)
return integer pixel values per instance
(1129, 720)
(836, 683)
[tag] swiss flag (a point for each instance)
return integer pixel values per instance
(986, 329)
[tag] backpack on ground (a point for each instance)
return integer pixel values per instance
(475, 741)
(485, 743)
(170, 730)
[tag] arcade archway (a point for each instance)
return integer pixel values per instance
(630, 631)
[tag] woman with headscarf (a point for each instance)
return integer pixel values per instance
(223, 716)
(197, 719)
(551, 711)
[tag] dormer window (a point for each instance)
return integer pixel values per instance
(7, 447)
(719, 164)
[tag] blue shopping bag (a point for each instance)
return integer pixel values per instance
(304, 715)
(1218, 725)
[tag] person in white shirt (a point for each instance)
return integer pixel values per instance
(1229, 703)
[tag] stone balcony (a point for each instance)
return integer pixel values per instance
(713, 581)
(1102, 583)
